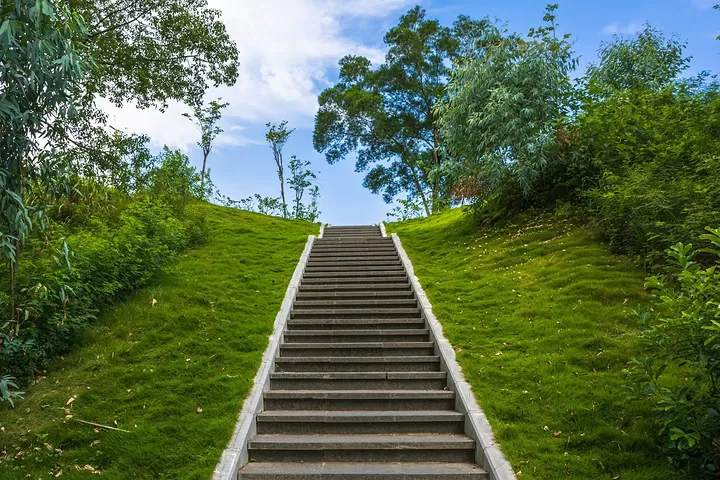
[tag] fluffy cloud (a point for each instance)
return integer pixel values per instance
(286, 49)
(629, 29)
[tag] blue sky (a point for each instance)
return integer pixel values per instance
(289, 51)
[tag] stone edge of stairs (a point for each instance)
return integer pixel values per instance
(488, 454)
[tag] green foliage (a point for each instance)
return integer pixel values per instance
(206, 121)
(277, 136)
(302, 178)
(504, 106)
(9, 390)
(647, 184)
(535, 311)
(153, 51)
(100, 247)
(386, 114)
(646, 61)
(680, 376)
(199, 346)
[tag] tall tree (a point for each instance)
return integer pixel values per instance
(387, 114)
(277, 136)
(301, 178)
(504, 105)
(43, 61)
(206, 121)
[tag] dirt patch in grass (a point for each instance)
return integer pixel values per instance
(536, 311)
(174, 375)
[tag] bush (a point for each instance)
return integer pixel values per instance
(95, 250)
(681, 374)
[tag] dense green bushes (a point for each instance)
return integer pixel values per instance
(680, 375)
(98, 245)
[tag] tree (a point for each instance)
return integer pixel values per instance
(387, 114)
(648, 60)
(44, 61)
(300, 179)
(206, 121)
(505, 104)
(277, 136)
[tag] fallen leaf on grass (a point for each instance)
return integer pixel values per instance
(95, 442)
(199, 410)
(556, 433)
(70, 400)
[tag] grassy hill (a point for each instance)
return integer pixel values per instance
(173, 375)
(537, 313)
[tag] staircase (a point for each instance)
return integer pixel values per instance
(357, 391)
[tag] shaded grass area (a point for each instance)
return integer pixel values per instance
(537, 313)
(174, 375)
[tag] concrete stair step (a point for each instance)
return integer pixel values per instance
(359, 400)
(412, 363)
(355, 303)
(354, 323)
(349, 252)
(354, 295)
(373, 280)
(351, 260)
(360, 422)
(386, 349)
(380, 288)
(369, 312)
(357, 380)
(363, 448)
(362, 471)
(331, 275)
(358, 267)
(334, 336)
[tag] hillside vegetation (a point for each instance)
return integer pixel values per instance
(173, 375)
(536, 311)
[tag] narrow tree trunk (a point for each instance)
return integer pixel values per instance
(202, 176)
(420, 191)
(281, 174)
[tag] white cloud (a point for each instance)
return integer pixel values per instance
(629, 29)
(286, 49)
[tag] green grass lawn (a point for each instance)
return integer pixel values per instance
(536, 311)
(174, 375)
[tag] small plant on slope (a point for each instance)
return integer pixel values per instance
(681, 375)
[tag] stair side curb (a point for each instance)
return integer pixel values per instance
(488, 454)
(235, 455)
(382, 229)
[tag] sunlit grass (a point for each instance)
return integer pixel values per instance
(174, 375)
(536, 311)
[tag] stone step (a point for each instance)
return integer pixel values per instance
(387, 349)
(415, 363)
(334, 336)
(354, 242)
(349, 251)
(361, 267)
(359, 422)
(354, 323)
(357, 380)
(359, 400)
(356, 280)
(362, 471)
(370, 312)
(350, 260)
(354, 295)
(362, 448)
(360, 287)
(355, 303)
(330, 277)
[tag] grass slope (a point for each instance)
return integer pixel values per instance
(536, 313)
(150, 370)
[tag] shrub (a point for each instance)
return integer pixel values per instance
(681, 374)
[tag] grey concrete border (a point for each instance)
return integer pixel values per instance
(382, 229)
(488, 453)
(236, 453)
(322, 230)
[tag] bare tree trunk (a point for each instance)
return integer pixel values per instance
(420, 191)
(202, 176)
